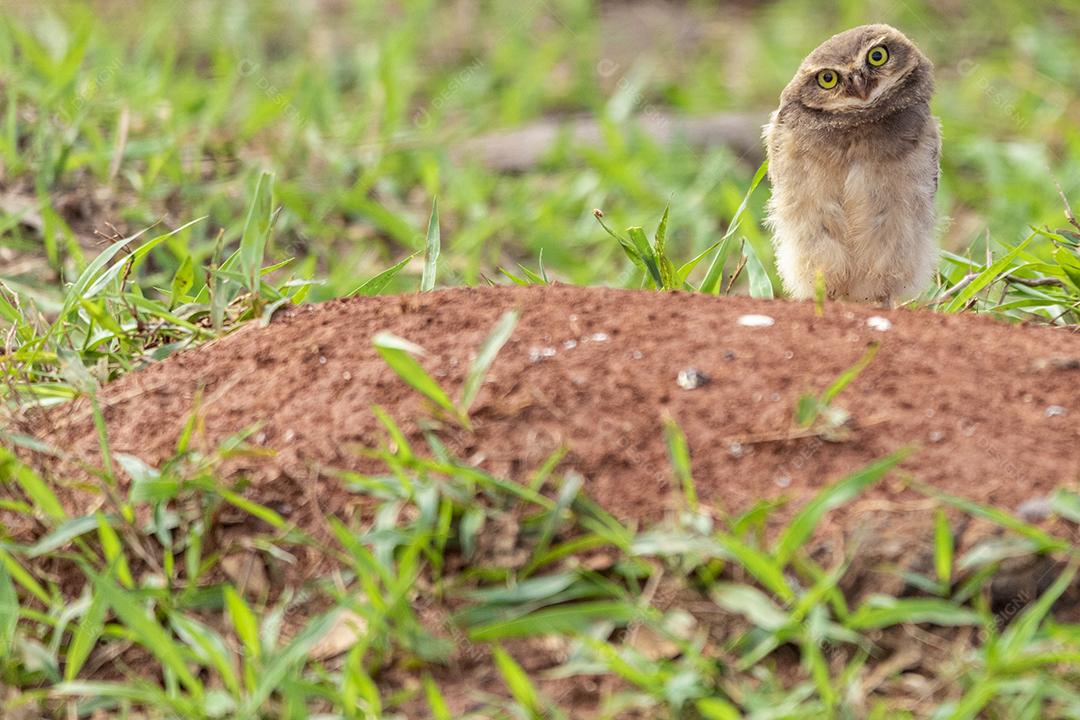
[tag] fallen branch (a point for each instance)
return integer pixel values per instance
(523, 148)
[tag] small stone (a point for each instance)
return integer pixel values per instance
(736, 449)
(755, 321)
(322, 360)
(1034, 510)
(936, 436)
(789, 355)
(691, 379)
(881, 324)
(1055, 411)
(1057, 363)
(346, 376)
(599, 337)
(570, 344)
(637, 354)
(775, 397)
(542, 353)
(729, 355)
(783, 481)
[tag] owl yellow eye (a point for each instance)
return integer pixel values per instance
(827, 79)
(877, 56)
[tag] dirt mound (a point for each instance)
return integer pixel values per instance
(992, 407)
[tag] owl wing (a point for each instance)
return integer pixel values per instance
(935, 152)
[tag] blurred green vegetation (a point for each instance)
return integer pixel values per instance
(135, 113)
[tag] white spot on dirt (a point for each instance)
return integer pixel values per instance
(542, 353)
(1055, 411)
(599, 337)
(755, 321)
(881, 324)
(570, 344)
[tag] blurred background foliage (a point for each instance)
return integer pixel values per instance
(119, 115)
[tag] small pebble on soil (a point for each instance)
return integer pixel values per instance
(755, 321)
(879, 323)
(691, 379)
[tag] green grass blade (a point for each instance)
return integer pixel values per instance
(987, 276)
(679, 456)
(645, 252)
(435, 700)
(849, 375)
(760, 283)
(431, 254)
(147, 631)
(711, 283)
(806, 520)
(485, 356)
(21, 576)
(9, 612)
(943, 548)
(1022, 630)
(752, 604)
(85, 637)
(37, 490)
(182, 281)
(375, 285)
(563, 619)
(282, 663)
(207, 644)
(762, 567)
(257, 232)
(244, 623)
(881, 611)
(113, 550)
(1041, 540)
(64, 533)
(668, 277)
(517, 681)
(398, 354)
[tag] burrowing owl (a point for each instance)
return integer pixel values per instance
(853, 161)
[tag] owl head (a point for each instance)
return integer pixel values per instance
(860, 75)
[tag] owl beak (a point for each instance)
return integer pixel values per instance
(859, 86)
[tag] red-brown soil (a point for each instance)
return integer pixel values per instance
(992, 407)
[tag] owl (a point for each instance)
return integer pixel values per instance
(853, 162)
